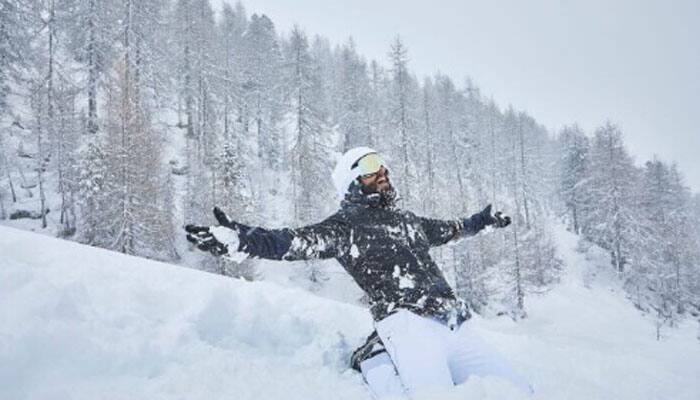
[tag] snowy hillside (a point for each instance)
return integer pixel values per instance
(83, 323)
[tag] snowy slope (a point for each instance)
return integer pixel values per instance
(83, 323)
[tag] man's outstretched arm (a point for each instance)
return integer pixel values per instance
(440, 232)
(326, 239)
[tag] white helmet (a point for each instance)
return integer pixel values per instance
(344, 173)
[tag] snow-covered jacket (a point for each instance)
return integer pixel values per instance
(383, 248)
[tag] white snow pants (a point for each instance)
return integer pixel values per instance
(428, 355)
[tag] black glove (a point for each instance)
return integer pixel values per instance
(205, 240)
(498, 220)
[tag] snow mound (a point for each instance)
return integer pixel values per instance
(83, 323)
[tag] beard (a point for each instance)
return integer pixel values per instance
(386, 193)
(384, 187)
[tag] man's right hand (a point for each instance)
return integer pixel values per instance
(218, 240)
(204, 239)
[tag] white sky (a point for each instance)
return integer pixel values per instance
(636, 63)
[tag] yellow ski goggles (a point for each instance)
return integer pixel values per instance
(368, 165)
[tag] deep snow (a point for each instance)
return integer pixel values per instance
(83, 323)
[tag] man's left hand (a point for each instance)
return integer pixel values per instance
(498, 220)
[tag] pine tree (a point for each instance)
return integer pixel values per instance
(3, 171)
(377, 103)
(231, 28)
(46, 78)
(13, 42)
(611, 214)
(354, 88)
(66, 144)
(574, 167)
(137, 220)
(91, 42)
(666, 264)
(310, 152)
(261, 89)
(94, 202)
(451, 144)
(403, 119)
(428, 122)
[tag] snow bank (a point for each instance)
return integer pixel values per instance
(79, 322)
(83, 323)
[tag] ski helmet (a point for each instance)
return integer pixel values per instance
(347, 169)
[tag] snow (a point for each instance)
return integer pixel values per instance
(226, 236)
(405, 281)
(229, 237)
(354, 251)
(83, 323)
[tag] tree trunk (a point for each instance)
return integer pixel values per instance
(519, 293)
(40, 172)
(430, 206)
(524, 175)
(92, 70)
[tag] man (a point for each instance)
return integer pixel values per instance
(420, 330)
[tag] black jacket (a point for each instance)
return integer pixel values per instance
(384, 249)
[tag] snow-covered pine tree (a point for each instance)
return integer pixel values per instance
(230, 44)
(694, 283)
(574, 150)
(261, 89)
(203, 73)
(230, 179)
(91, 35)
(46, 75)
(493, 157)
(453, 192)
(308, 125)
(137, 222)
(428, 111)
(261, 114)
(538, 264)
(666, 265)
(611, 217)
(310, 153)
(402, 117)
(12, 45)
(164, 223)
(183, 29)
(454, 177)
(535, 179)
(378, 103)
(94, 201)
(530, 265)
(471, 122)
(3, 172)
(193, 24)
(354, 88)
(6, 55)
(65, 147)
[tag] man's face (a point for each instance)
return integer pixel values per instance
(377, 182)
